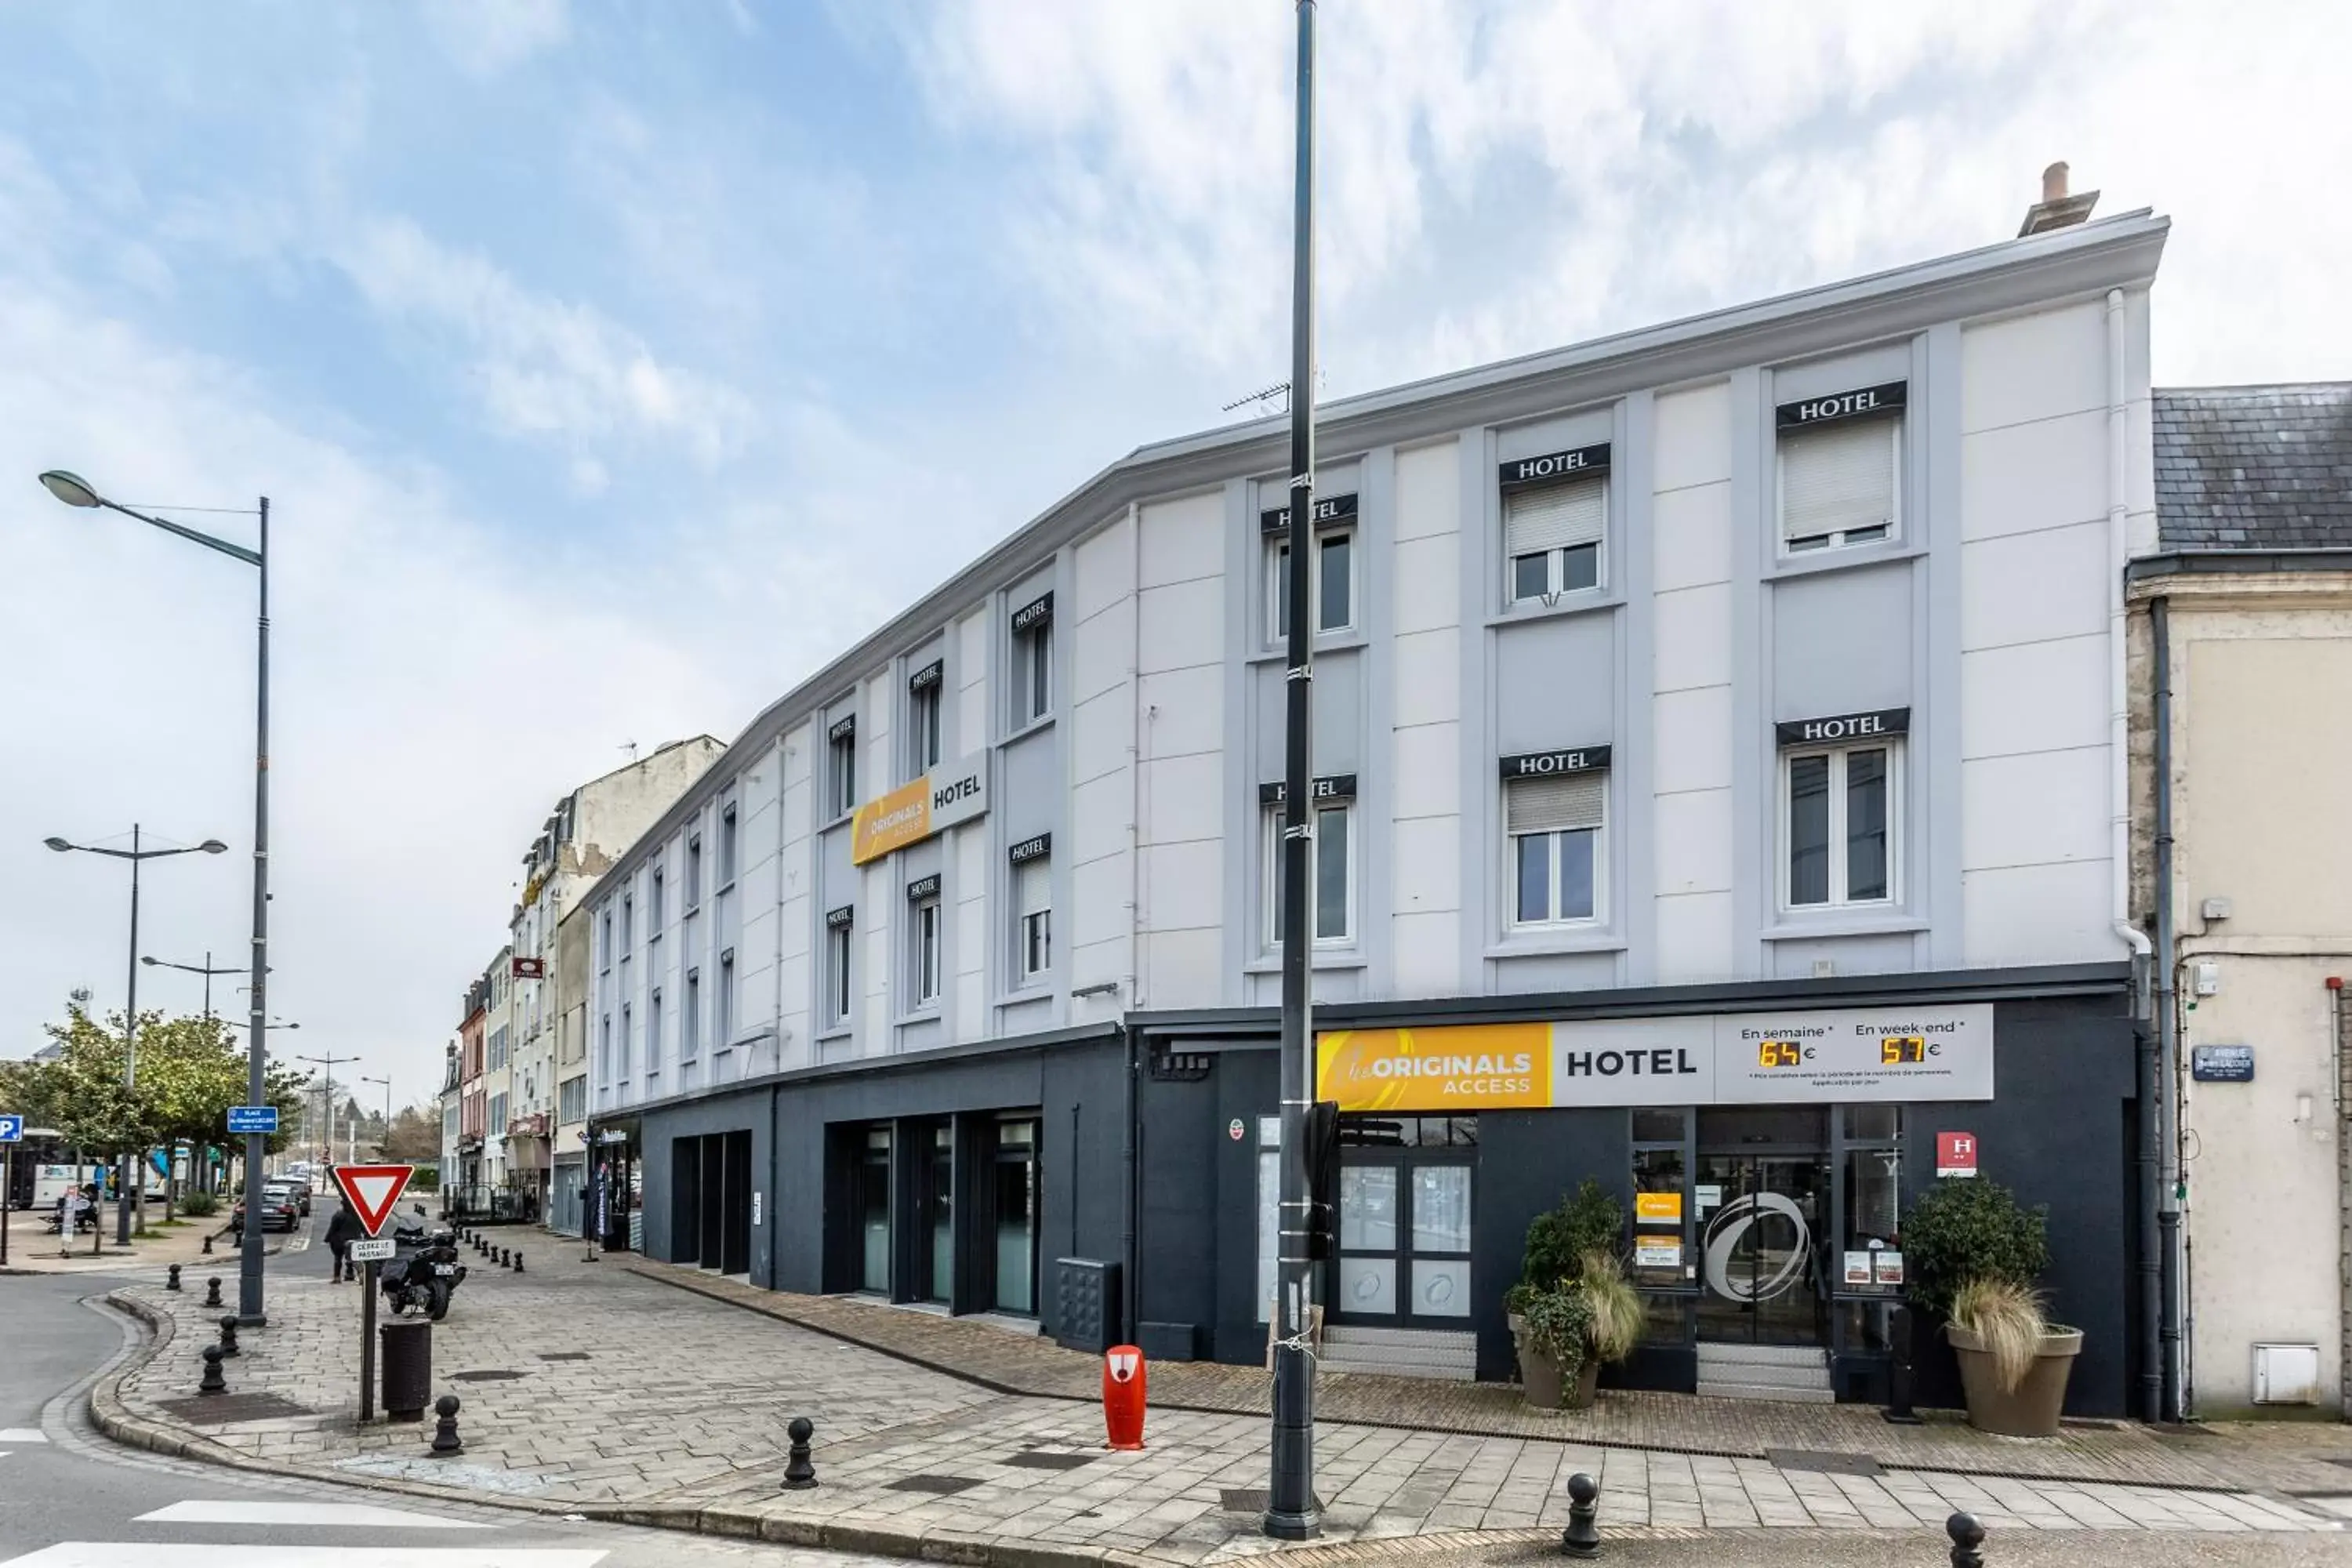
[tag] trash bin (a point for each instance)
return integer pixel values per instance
(407, 1362)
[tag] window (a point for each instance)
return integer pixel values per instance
(726, 846)
(1032, 671)
(1838, 825)
(689, 1018)
(1330, 871)
(923, 951)
(571, 1100)
(694, 872)
(841, 766)
(498, 1115)
(725, 1027)
(837, 970)
(625, 1021)
(1551, 535)
(1033, 902)
(608, 940)
(654, 902)
(923, 691)
(653, 1032)
(1840, 484)
(1555, 838)
(1333, 590)
(628, 925)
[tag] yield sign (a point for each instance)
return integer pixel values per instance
(372, 1190)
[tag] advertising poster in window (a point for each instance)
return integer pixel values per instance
(1658, 1208)
(1656, 1250)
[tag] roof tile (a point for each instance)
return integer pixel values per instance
(2255, 467)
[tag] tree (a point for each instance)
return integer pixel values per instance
(195, 1073)
(415, 1138)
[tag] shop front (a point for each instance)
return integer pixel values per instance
(941, 1211)
(1763, 1156)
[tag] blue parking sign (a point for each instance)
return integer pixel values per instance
(12, 1129)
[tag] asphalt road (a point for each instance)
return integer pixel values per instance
(70, 1499)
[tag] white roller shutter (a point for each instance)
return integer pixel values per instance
(1555, 517)
(1568, 801)
(1838, 479)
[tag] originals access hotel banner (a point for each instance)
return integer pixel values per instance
(1845, 1057)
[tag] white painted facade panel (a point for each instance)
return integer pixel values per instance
(2035, 808)
(1693, 531)
(2026, 478)
(2034, 587)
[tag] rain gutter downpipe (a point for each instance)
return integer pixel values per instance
(2167, 1015)
(2147, 1263)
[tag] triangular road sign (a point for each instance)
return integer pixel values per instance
(372, 1190)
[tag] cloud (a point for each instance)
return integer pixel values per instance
(538, 366)
(484, 38)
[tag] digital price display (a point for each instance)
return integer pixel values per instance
(1778, 1054)
(1897, 1050)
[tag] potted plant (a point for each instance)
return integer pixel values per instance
(1974, 1253)
(1573, 1308)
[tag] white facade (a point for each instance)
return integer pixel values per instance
(1666, 634)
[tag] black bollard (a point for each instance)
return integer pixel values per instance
(502, 1257)
(1968, 1540)
(228, 1336)
(517, 1260)
(446, 1441)
(211, 1292)
(208, 1244)
(172, 1278)
(799, 1472)
(214, 1382)
(1582, 1536)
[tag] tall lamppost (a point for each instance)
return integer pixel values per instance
(131, 1162)
(387, 1105)
(328, 1062)
(77, 491)
(204, 969)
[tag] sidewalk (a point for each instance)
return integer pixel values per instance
(33, 1251)
(604, 1389)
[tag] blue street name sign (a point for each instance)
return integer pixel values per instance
(12, 1129)
(253, 1119)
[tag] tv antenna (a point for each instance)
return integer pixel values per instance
(630, 747)
(1264, 394)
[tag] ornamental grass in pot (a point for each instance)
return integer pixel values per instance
(1573, 1309)
(1974, 1254)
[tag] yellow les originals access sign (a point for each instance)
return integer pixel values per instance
(913, 812)
(1459, 1068)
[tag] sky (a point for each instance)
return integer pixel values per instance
(609, 366)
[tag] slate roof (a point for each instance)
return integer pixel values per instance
(2255, 467)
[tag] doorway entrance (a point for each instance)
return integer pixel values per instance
(1763, 1201)
(1405, 1191)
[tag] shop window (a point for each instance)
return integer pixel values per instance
(1871, 1197)
(841, 766)
(1015, 1191)
(1032, 904)
(1554, 826)
(1332, 593)
(874, 1212)
(1409, 1131)
(923, 951)
(1839, 826)
(1330, 873)
(1840, 484)
(939, 1204)
(1552, 539)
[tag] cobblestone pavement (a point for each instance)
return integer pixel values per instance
(676, 1415)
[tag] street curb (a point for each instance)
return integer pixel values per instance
(115, 1421)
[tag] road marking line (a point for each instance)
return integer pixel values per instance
(356, 1515)
(146, 1554)
(22, 1434)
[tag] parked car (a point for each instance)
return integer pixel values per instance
(279, 1211)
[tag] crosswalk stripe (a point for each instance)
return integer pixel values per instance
(22, 1434)
(147, 1553)
(354, 1515)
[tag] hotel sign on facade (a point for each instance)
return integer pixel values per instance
(948, 794)
(1846, 1057)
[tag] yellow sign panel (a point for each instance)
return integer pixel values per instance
(891, 821)
(1657, 1208)
(1461, 1067)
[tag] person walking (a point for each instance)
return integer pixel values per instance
(342, 1231)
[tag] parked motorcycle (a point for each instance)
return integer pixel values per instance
(421, 1279)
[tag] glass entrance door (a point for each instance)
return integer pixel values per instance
(1405, 1223)
(1763, 1219)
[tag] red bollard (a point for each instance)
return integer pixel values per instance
(1123, 1396)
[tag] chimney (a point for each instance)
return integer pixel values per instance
(2056, 209)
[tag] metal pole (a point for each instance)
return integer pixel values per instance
(367, 1339)
(130, 1054)
(257, 1144)
(7, 1196)
(209, 985)
(1290, 1512)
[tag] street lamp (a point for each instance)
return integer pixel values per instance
(204, 969)
(387, 1105)
(328, 1062)
(131, 1004)
(77, 491)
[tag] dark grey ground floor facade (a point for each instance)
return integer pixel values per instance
(1119, 1181)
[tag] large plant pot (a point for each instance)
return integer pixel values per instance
(2030, 1409)
(1544, 1389)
